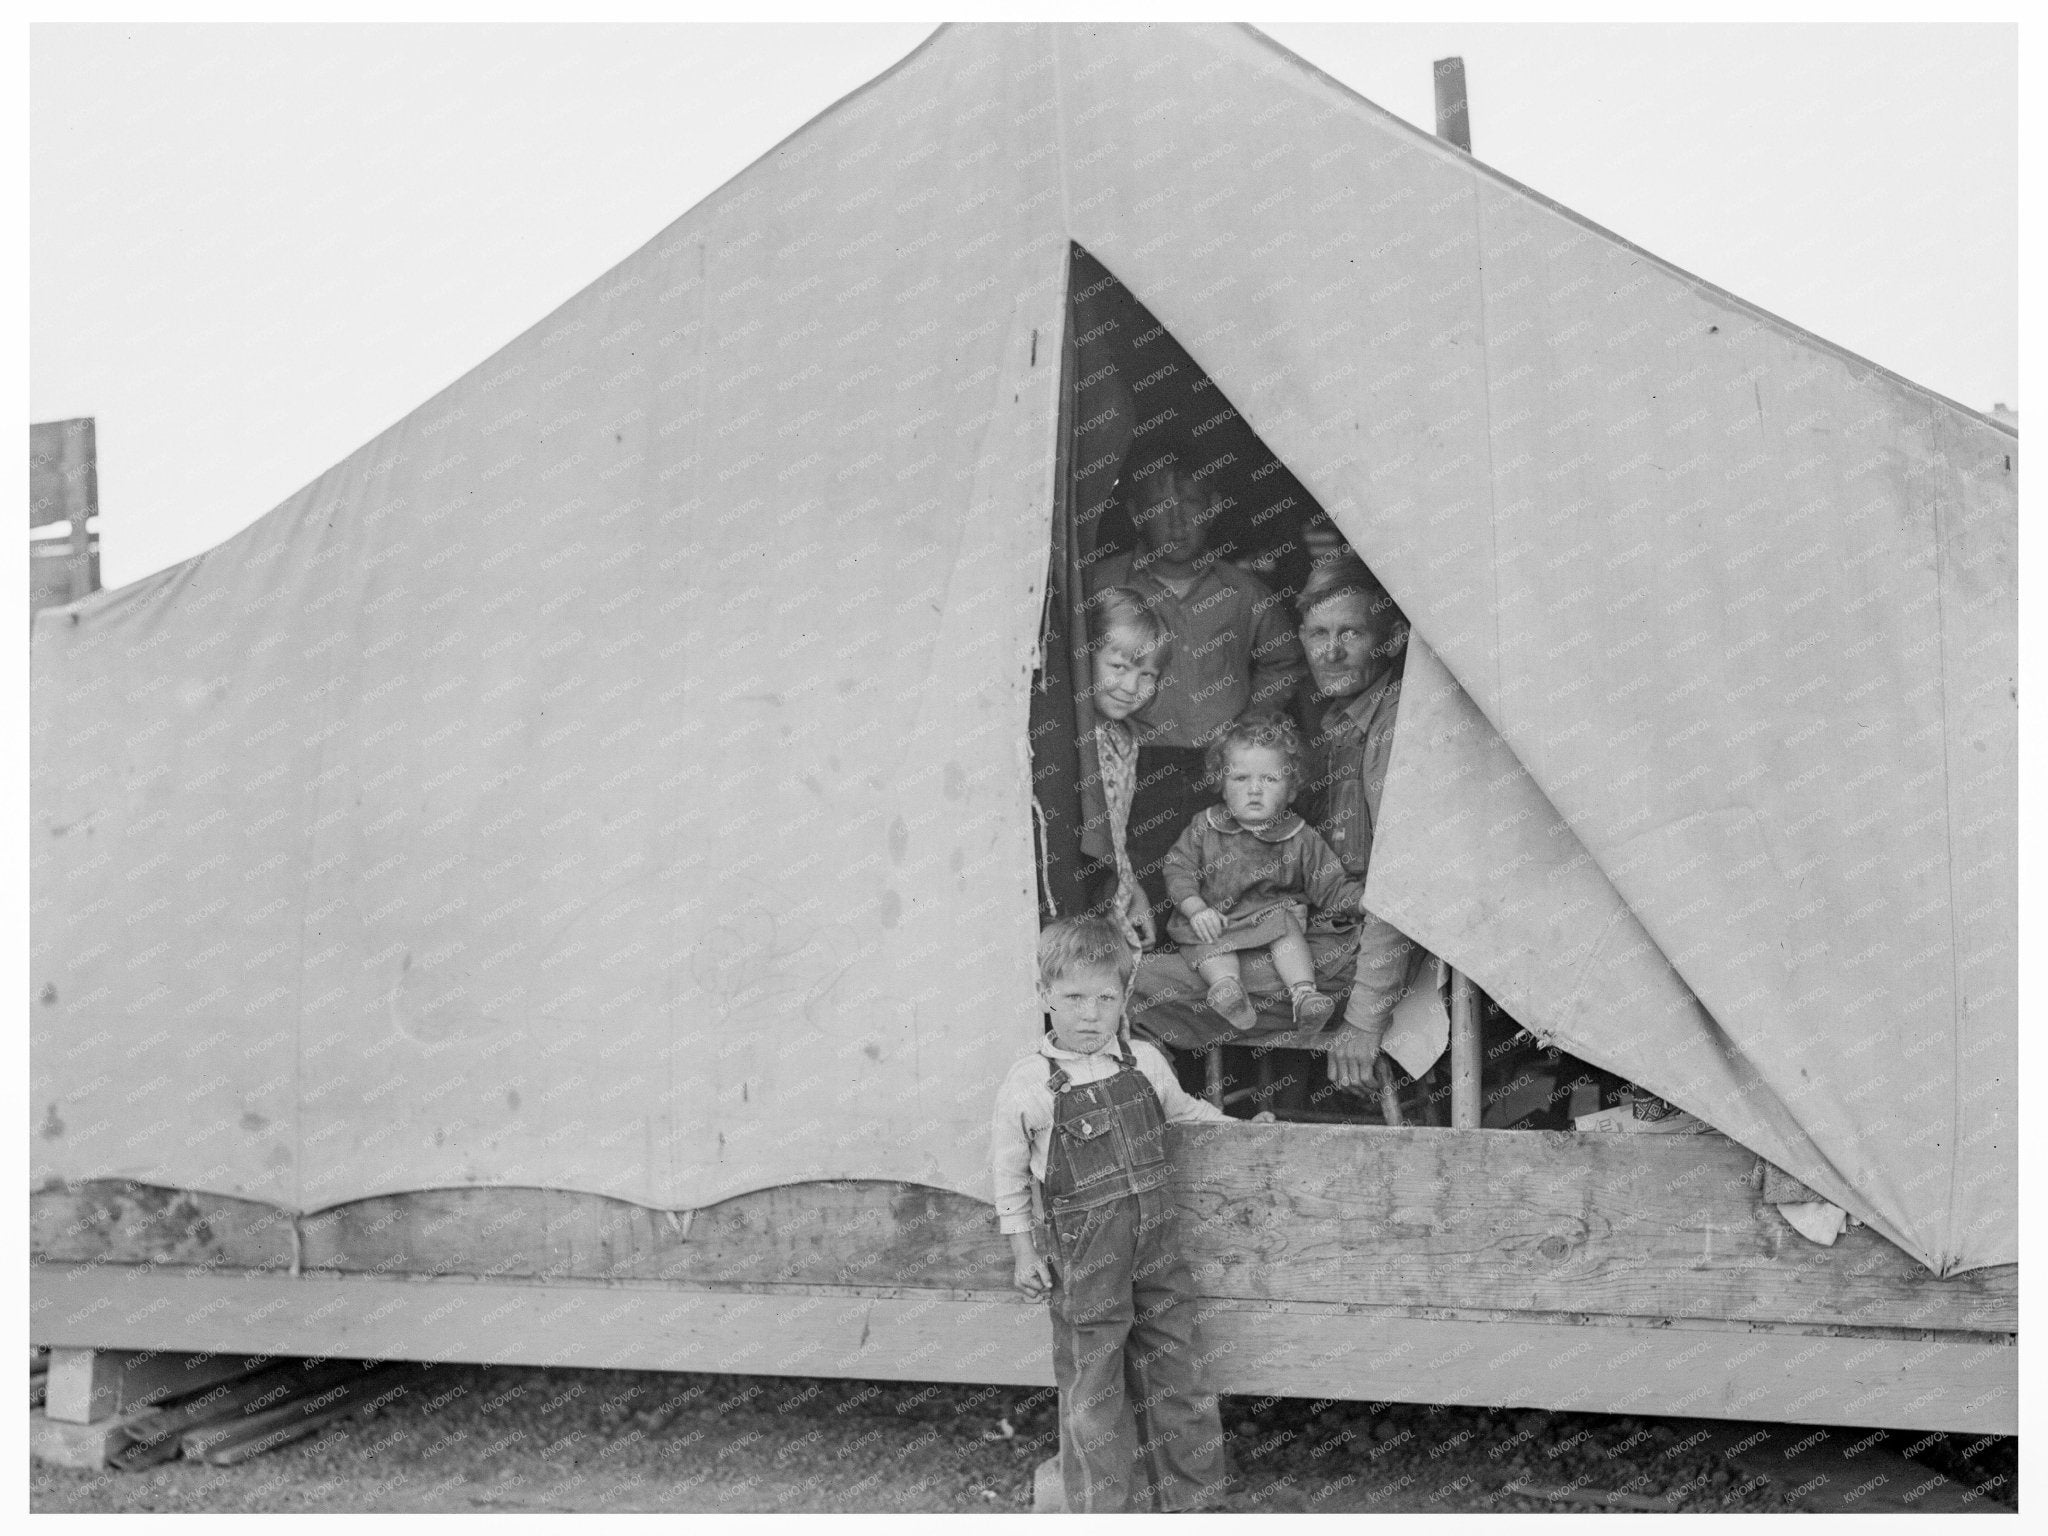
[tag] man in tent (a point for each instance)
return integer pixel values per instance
(1354, 636)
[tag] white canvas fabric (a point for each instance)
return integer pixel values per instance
(614, 777)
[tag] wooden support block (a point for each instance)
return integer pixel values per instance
(60, 1443)
(1048, 1493)
(86, 1385)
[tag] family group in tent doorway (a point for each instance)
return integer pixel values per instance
(1236, 742)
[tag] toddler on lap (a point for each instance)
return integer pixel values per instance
(1246, 873)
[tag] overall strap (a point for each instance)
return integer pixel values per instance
(1056, 1077)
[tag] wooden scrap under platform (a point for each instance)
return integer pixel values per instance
(222, 1443)
(235, 1407)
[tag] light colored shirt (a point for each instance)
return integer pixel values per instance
(1234, 649)
(1021, 1132)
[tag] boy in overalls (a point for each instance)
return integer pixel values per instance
(1081, 1123)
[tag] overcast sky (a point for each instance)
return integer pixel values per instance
(254, 248)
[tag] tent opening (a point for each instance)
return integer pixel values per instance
(1133, 395)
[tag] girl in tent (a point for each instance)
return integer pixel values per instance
(1128, 647)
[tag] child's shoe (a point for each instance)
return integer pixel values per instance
(1312, 1009)
(1228, 998)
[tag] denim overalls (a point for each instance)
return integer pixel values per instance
(1136, 1429)
(1108, 1139)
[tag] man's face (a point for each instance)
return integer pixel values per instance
(1086, 1005)
(1348, 644)
(1173, 512)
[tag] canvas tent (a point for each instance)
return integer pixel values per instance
(614, 776)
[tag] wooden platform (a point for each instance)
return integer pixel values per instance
(1622, 1272)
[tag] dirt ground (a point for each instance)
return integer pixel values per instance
(470, 1438)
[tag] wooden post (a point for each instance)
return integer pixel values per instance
(1390, 1093)
(1453, 112)
(1465, 1053)
(63, 488)
(84, 580)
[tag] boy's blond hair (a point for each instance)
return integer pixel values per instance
(1077, 943)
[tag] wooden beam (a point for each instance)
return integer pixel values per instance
(1467, 1106)
(64, 486)
(227, 1440)
(1708, 1371)
(1625, 1226)
(1489, 1221)
(834, 1232)
(123, 1222)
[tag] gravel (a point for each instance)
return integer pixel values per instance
(515, 1438)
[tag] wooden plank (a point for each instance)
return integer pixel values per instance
(1707, 1371)
(90, 1384)
(156, 1435)
(841, 1232)
(223, 1443)
(122, 1222)
(1633, 1226)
